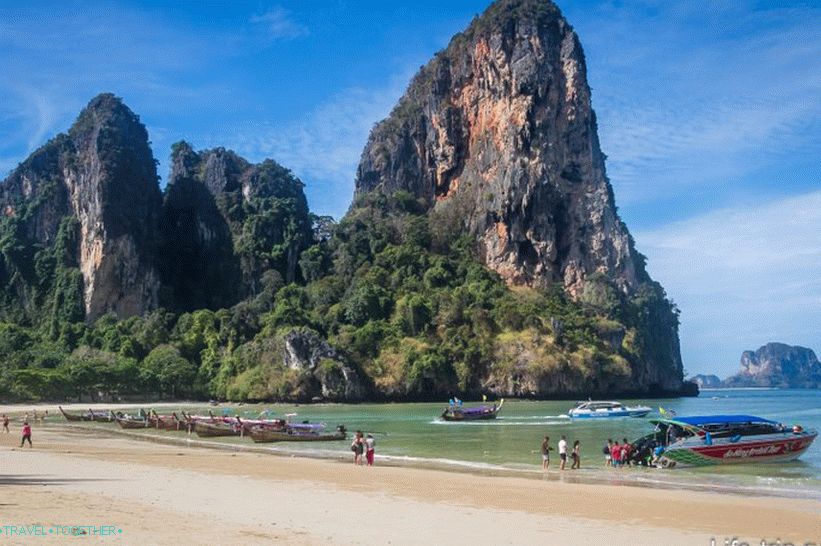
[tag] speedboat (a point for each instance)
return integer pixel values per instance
(597, 410)
(726, 439)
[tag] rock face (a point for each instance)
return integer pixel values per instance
(498, 132)
(500, 127)
(778, 365)
(226, 222)
(335, 378)
(706, 381)
(91, 199)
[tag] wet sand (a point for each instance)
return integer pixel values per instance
(160, 494)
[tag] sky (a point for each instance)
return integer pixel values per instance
(709, 113)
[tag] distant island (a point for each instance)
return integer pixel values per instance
(772, 365)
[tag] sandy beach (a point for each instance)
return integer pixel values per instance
(159, 494)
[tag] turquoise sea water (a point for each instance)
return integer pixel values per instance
(413, 434)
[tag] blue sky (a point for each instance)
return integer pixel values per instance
(709, 112)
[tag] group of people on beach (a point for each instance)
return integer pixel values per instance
(26, 429)
(575, 453)
(363, 446)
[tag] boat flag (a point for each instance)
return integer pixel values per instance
(484, 398)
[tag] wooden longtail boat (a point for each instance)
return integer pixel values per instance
(206, 429)
(75, 417)
(130, 422)
(262, 435)
(166, 422)
(458, 413)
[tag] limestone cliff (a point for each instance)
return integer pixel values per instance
(778, 365)
(85, 202)
(498, 132)
(500, 126)
(226, 222)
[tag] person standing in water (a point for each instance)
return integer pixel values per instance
(370, 445)
(546, 449)
(576, 455)
(562, 452)
(357, 447)
(607, 450)
(26, 434)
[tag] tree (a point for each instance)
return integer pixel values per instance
(167, 371)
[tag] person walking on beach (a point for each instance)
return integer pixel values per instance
(546, 449)
(26, 434)
(576, 455)
(562, 452)
(5, 423)
(370, 445)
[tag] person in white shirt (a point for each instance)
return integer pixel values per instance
(563, 452)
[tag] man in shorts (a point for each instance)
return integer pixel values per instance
(563, 452)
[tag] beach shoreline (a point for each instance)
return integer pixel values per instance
(179, 481)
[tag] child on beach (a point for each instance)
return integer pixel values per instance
(576, 456)
(26, 434)
(370, 444)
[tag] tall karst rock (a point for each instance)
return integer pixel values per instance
(498, 131)
(227, 223)
(79, 220)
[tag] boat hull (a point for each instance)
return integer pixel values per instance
(132, 423)
(769, 448)
(482, 413)
(262, 436)
(209, 430)
(609, 414)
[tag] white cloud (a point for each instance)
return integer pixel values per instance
(696, 95)
(280, 25)
(742, 277)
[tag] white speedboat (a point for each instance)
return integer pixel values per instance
(595, 409)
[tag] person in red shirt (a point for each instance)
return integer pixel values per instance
(626, 451)
(26, 434)
(615, 453)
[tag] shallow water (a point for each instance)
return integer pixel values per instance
(412, 433)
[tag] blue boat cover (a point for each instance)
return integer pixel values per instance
(700, 420)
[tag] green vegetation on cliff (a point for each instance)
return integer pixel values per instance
(399, 294)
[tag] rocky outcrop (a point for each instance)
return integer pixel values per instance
(335, 378)
(98, 186)
(498, 132)
(778, 365)
(228, 222)
(706, 381)
(499, 125)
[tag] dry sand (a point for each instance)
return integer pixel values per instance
(159, 494)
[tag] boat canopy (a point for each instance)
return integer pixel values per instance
(702, 420)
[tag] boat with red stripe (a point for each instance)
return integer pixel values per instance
(726, 439)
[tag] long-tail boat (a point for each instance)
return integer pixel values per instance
(131, 422)
(166, 422)
(76, 417)
(262, 435)
(458, 413)
(207, 429)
